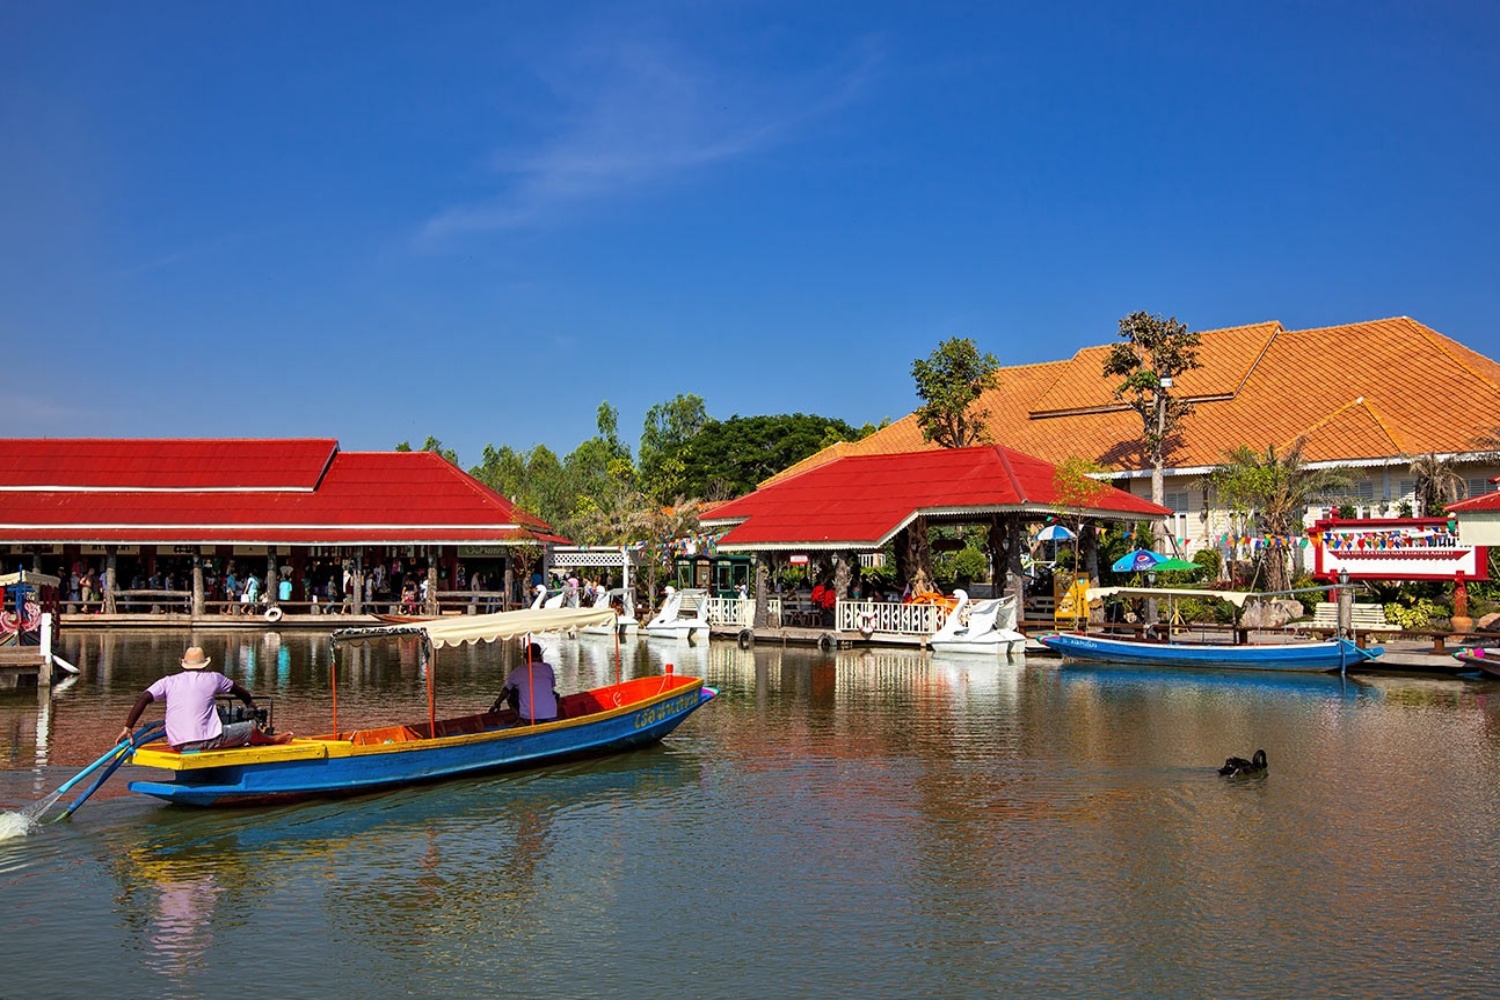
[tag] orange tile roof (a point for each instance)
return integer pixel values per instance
(1361, 391)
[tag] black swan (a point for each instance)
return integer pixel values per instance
(1239, 765)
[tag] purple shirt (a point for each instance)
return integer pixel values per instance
(190, 711)
(536, 680)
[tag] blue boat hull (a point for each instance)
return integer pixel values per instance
(1335, 654)
(326, 768)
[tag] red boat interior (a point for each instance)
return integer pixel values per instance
(573, 706)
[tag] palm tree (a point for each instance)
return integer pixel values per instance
(1274, 492)
(1438, 483)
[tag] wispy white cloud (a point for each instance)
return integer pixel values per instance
(641, 114)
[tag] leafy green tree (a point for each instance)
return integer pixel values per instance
(668, 427)
(728, 458)
(1273, 492)
(433, 445)
(949, 381)
(1438, 483)
(1151, 353)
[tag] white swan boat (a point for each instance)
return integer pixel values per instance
(625, 622)
(990, 630)
(671, 623)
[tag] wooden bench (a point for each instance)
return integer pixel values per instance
(1364, 618)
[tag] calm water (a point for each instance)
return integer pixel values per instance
(871, 825)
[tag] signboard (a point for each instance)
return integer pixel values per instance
(249, 550)
(797, 560)
(103, 550)
(1399, 548)
(475, 551)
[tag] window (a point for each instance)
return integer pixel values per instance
(1177, 501)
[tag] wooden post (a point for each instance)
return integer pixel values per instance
(110, 587)
(510, 582)
(197, 585)
(357, 604)
(432, 581)
(272, 580)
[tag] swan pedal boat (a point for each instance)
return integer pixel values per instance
(606, 719)
(990, 630)
(669, 623)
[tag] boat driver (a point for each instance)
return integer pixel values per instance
(192, 722)
(531, 689)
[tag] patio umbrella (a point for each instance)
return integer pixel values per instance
(1139, 561)
(1053, 533)
(1175, 564)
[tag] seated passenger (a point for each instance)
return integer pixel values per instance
(531, 689)
(192, 721)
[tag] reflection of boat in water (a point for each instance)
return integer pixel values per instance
(1310, 684)
(989, 631)
(671, 622)
(602, 720)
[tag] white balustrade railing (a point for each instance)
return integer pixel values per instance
(740, 611)
(884, 616)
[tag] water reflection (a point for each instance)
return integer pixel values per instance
(908, 825)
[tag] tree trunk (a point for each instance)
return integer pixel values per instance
(901, 543)
(762, 597)
(1015, 570)
(273, 578)
(841, 575)
(1088, 544)
(919, 556)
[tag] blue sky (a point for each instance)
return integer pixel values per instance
(378, 222)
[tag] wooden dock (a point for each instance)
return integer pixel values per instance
(23, 666)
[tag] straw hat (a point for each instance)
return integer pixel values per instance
(194, 659)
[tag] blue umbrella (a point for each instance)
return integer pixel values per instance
(1053, 533)
(1139, 561)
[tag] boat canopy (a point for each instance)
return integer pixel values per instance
(1235, 597)
(27, 576)
(457, 630)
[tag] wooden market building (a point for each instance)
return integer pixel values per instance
(310, 520)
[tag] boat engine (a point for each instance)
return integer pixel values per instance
(234, 710)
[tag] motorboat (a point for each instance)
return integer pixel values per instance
(672, 621)
(990, 629)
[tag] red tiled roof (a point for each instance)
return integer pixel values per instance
(349, 497)
(135, 464)
(863, 500)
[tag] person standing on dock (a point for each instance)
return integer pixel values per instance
(192, 721)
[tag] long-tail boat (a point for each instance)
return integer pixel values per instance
(607, 719)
